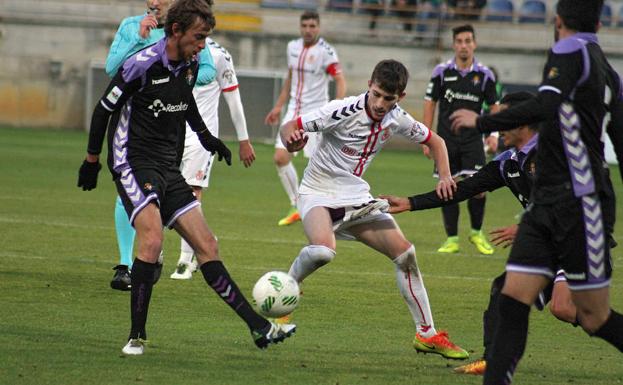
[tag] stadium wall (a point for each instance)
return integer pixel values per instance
(46, 48)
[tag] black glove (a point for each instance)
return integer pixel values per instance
(87, 175)
(214, 145)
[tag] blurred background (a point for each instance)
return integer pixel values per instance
(52, 51)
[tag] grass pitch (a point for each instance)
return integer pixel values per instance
(60, 323)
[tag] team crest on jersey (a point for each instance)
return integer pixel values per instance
(553, 73)
(189, 76)
(200, 175)
(314, 125)
(147, 186)
(228, 75)
(311, 58)
(476, 80)
(417, 130)
(386, 134)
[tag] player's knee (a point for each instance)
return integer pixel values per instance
(319, 254)
(563, 311)
(591, 320)
(281, 158)
(406, 261)
(498, 284)
(207, 250)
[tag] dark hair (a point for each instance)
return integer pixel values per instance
(516, 98)
(463, 28)
(391, 76)
(185, 13)
(307, 15)
(580, 15)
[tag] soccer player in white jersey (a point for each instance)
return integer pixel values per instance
(335, 201)
(197, 162)
(312, 62)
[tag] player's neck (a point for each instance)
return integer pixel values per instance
(306, 45)
(464, 64)
(523, 140)
(172, 51)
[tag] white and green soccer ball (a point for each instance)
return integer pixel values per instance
(276, 294)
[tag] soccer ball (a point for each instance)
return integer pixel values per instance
(276, 294)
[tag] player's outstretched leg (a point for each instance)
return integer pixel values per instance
(289, 180)
(310, 259)
(263, 332)
(411, 285)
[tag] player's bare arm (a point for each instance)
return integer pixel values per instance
(273, 116)
(428, 117)
(446, 185)
(340, 86)
(292, 136)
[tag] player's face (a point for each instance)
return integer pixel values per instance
(310, 29)
(380, 102)
(192, 41)
(464, 45)
(159, 8)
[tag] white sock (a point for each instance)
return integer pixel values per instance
(412, 288)
(310, 259)
(186, 253)
(290, 181)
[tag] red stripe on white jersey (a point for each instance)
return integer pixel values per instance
(334, 69)
(365, 154)
(301, 78)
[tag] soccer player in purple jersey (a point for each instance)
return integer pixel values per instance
(580, 96)
(150, 99)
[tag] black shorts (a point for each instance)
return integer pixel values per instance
(465, 158)
(568, 235)
(167, 188)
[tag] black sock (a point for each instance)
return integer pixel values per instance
(218, 278)
(476, 207)
(451, 219)
(490, 317)
(142, 283)
(509, 341)
(612, 330)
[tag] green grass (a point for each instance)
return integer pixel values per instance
(60, 323)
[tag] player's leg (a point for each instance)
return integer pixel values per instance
(125, 241)
(561, 305)
(196, 166)
(530, 268)
(318, 228)
(192, 227)
(385, 236)
(149, 244)
(473, 159)
(519, 293)
(597, 318)
(182, 212)
(450, 213)
(287, 175)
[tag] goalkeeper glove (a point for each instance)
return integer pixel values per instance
(214, 145)
(87, 175)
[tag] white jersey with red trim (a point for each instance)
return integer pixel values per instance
(350, 140)
(207, 96)
(312, 68)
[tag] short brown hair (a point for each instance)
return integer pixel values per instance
(307, 15)
(185, 13)
(391, 76)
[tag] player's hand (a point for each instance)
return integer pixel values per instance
(246, 153)
(491, 144)
(463, 119)
(214, 145)
(87, 175)
(445, 188)
(504, 236)
(273, 116)
(296, 141)
(426, 151)
(396, 204)
(147, 24)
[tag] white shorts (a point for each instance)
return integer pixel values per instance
(196, 163)
(312, 141)
(306, 202)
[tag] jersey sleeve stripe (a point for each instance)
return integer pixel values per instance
(105, 106)
(299, 123)
(430, 133)
(550, 88)
(229, 89)
(334, 69)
